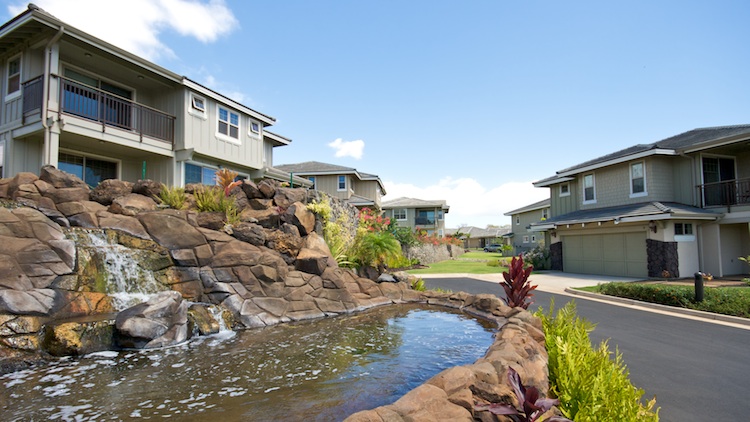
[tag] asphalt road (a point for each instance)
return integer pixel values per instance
(698, 371)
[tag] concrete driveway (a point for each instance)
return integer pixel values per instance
(548, 281)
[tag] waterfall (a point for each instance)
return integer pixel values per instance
(113, 268)
(217, 312)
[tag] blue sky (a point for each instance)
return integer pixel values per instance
(464, 101)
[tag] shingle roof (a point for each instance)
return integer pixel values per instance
(315, 167)
(656, 210)
(414, 203)
(544, 203)
(478, 232)
(691, 139)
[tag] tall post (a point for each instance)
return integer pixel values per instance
(699, 287)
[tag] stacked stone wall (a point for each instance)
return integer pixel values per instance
(427, 254)
(663, 259)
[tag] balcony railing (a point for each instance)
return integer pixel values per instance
(424, 221)
(109, 109)
(32, 94)
(726, 193)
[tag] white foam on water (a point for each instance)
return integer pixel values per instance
(104, 354)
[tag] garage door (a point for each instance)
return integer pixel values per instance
(622, 254)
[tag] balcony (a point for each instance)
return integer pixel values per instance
(103, 107)
(424, 221)
(724, 194)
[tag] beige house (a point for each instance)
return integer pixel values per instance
(669, 208)
(92, 109)
(521, 236)
(362, 190)
(479, 238)
(418, 214)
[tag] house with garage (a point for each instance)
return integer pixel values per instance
(363, 190)
(418, 214)
(85, 106)
(521, 237)
(663, 209)
(480, 238)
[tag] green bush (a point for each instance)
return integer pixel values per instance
(493, 263)
(590, 384)
(376, 248)
(733, 301)
(173, 197)
(213, 199)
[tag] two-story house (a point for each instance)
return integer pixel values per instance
(665, 209)
(73, 101)
(360, 189)
(522, 237)
(418, 214)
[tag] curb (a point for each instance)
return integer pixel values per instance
(672, 309)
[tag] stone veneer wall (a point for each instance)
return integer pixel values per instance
(663, 259)
(427, 254)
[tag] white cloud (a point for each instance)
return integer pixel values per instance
(135, 25)
(470, 202)
(348, 148)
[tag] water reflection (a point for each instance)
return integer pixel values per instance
(323, 370)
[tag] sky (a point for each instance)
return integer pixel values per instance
(468, 101)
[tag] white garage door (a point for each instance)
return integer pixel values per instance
(621, 254)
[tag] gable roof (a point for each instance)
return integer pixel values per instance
(478, 232)
(415, 203)
(544, 203)
(316, 168)
(690, 141)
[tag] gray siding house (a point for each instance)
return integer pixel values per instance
(418, 214)
(521, 236)
(664, 209)
(363, 190)
(92, 109)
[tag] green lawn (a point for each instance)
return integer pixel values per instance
(468, 263)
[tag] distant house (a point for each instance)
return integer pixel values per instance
(521, 236)
(363, 190)
(478, 238)
(418, 214)
(92, 109)
(669, 208)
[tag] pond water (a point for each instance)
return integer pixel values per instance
(321, 371)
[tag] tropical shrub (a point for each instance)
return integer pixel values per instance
(173, 197)
(376, 248)
(405, 236)
(213, 199)
(590, 385)
(418, 285)
(516, 284)
(538, 257)
(339, 240)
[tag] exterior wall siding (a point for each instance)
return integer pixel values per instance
(560, 205)
(520, 230)
(612, 184)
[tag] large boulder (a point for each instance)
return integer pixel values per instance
(60, 179)
(148, 187)
(110, 189)
(250, 233)
(171, 229)
(298, 215)
(132, 204)
(159, 322)
(285, 197)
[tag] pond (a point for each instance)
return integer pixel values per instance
(323, 370)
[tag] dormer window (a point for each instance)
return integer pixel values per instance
(198, 103)
(254, 127)
(565, 189)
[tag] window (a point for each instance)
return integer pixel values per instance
(229, 123)
(425, 217)
(399, 214)
(198, 103)
(2, 157)
(342, 183)
(14, 77)
(526, 239)
(637, 179)
(254, 127)
(545, 213)
(518, 220)
(440, 215)
(589, 193)
(90, 170)
(683, 229)
(533, 238)
(200, 174)
(565, 189)
(314, 182)
(112, 105)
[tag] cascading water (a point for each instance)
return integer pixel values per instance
(114, 269)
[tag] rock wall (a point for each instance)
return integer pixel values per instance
(663, 259)
(427, 254)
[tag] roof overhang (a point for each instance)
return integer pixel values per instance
(195, 86)
(276, 140)
(568, 175)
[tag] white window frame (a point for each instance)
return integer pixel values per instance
(338, 183)
(645, 191)
(684, 236)
(518, 220)
(17, 93)
(226, 136)
(195, 109)
(254, 128)
(441, 215)
(406, 214)
(593, 188)
(526, 239)
(545, 213)
(567, 190)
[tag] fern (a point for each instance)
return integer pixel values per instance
(174, 197)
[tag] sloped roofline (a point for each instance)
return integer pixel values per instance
(544, 203)
(335, 171)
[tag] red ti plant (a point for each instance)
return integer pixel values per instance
(528, 397)
(516, 285)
